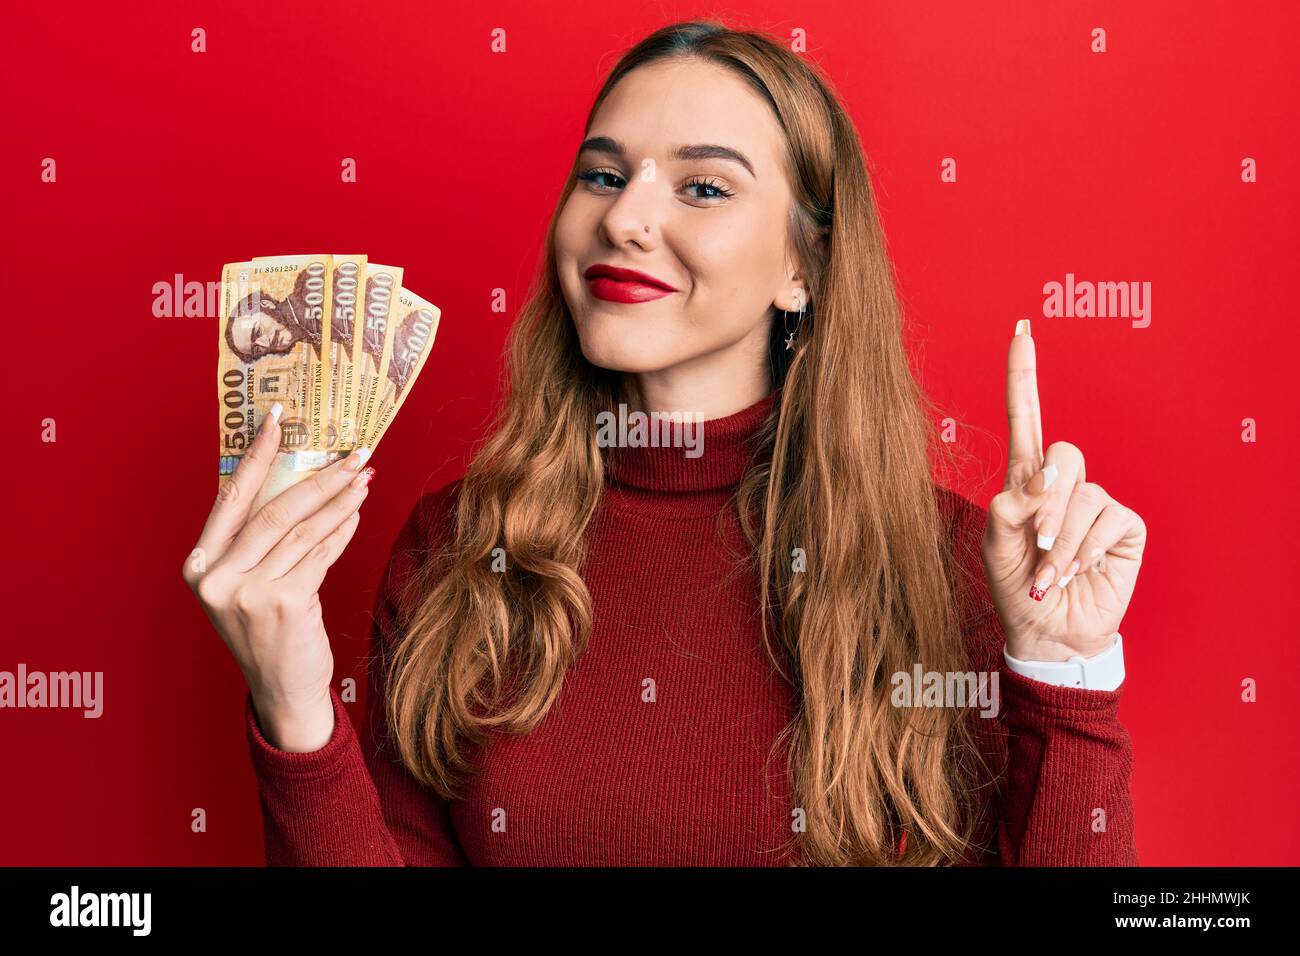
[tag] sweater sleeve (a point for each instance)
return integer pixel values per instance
(352, 802)
(1063, 760)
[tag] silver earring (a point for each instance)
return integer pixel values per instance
(790, 336)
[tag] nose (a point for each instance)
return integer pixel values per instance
(635, 216)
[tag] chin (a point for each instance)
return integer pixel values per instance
(620, 358)
(607, 346)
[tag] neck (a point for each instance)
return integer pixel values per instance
(713, 386)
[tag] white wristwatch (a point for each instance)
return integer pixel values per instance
(1104, 671)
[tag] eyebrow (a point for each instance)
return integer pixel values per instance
(607, 144)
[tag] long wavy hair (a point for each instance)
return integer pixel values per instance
(848, 480)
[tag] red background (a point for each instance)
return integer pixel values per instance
(1117, 166)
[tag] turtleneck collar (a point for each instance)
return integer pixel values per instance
(667, 475)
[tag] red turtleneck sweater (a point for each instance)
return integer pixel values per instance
(608, 779)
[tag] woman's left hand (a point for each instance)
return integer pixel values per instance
(1050, 527)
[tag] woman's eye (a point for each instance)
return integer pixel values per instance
(718, 190)
(593, 176)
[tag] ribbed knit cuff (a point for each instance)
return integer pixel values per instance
(270, 761)
(320, 808)
(1070, 705)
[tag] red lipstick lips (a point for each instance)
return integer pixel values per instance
(624, 285)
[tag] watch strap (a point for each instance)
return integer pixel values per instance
(1103, 671)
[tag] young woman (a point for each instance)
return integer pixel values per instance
(707, 655)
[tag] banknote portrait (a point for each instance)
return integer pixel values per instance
(263, 325)
(410, 341)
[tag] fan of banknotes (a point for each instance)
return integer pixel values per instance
(339, 380)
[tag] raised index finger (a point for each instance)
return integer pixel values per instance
(1025, 454)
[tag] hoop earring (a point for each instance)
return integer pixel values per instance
(785, 324)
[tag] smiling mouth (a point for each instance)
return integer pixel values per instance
(613, 290)
(614, 284)
(619, 274)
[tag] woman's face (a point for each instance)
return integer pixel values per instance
(711, 225)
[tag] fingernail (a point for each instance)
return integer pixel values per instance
(272, 415)
(1049, 476)
(363, 479)
(1041, 583)
(1097, 557)
(357, 459)
(1045, 542)
(1070, 572)
(1022, 327)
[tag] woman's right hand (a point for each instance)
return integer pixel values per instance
(257, 579)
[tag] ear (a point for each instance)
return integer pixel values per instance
(793, 295)
(790, 284)
(795, 289)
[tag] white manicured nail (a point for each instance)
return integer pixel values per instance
(1022, 327)
(1049, 476)
(275, 411)
(355, 460)
(1045, 541)
(1070, 572)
